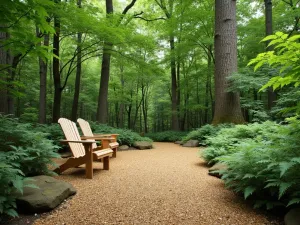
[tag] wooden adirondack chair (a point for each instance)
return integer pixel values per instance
(88, 135)
(82, 150)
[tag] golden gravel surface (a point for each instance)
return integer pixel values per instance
(166, 185)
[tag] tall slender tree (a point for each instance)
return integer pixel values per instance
(78, 73)
(227, 104)
(102, 109)
(56, 71)
(269, 31)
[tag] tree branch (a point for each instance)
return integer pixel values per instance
(128, 7)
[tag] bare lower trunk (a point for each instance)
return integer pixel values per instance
(269, 31)
(175, 124)
(56, 73)
(3, 75)
(77, 81)
(227, 105)
(43, 85)
(103, 91)
(102, 108)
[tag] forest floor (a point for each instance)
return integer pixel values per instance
(165, 185)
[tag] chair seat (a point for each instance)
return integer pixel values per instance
(103, 152)
(114, 145)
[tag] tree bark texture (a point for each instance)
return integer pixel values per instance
(56, 73)
(3, 76)
(43, 85)
(78, 75)
(227, 104)
(269, 31)
(102, 108)
(175, 123)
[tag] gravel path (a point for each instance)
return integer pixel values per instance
(166, 185)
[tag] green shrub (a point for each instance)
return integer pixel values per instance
(126, 137)
(21, 139)
(11, 178)
(53, 131)
(167, 136)
(30, 115)
(11, 181)
(23, 152)
(266, 168)
(227, 139)
(202, 133)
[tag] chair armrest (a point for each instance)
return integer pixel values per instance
(106, 134)
(96, 138)
(77, 141)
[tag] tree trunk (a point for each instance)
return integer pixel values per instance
(227, 105)
(269, 31)
(78, 74)
(3, 76)
(43, 84)
(208, 85)
(78, 79)
(56, 73)
(105, 72)
(175, 124)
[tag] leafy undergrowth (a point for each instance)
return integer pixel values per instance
(24, 152)
(167, 136)
(203, 132)
(263, 161)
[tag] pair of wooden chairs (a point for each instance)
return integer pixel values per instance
(84, 148)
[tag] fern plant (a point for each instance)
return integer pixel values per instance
(227, 140)
(266, 168)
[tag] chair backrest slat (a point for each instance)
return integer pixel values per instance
(86, 130)
(71, 133)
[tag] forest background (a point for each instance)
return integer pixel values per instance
(154, 60)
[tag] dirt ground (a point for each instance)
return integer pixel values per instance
(166, 185)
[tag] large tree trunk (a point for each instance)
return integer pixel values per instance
(77, 80)
(102, 108)
(269, 31)
(208, 85)
(56, 73)
(175, 124)
(78, 74)
(10, 86)
(43, 85)
(3, 76)
(227, 105)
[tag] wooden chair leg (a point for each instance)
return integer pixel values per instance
(70, 163)
(106, 163)
(114, 153)
(89, 161)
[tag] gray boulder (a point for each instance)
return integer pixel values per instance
(51, 193)
(191, 143)
(292, 217)
(218, 166)
(123, 147)
(142, 145)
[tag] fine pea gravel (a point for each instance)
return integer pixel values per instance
(166, 185)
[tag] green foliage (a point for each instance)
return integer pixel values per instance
(285, 58)
(167, 136)
(11, 178)
(227, 139)
(30, 115)
(126, 137)
(202, 133)
(24, 152)
(263, 162)
(29, 148)
(53, 132)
